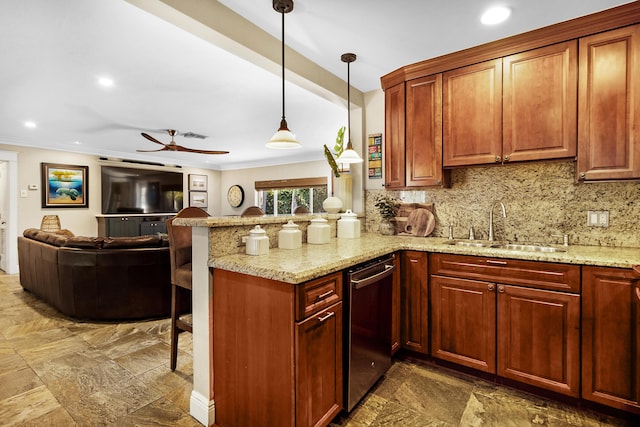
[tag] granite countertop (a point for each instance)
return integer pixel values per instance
(312, 261)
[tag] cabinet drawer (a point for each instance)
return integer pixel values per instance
(316, 295)
(534, 274)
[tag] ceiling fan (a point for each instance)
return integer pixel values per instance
(172, 146)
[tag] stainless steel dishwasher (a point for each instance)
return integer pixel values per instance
(368, 326)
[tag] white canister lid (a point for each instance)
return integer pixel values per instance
(290, 225)
(257, 231)
(319, 220)
(348, 215)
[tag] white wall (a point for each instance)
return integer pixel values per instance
(374, 123)
(247, 178)
(81, 221)
(3, 190)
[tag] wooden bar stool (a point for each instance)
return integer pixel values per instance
(180, 256)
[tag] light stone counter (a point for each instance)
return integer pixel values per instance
(312, 261)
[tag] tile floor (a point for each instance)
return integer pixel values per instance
(58, 372)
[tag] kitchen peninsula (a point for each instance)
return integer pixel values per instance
(217, 247)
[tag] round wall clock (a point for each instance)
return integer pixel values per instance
(235, 196)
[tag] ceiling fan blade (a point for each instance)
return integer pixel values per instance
(151, 151)
(152, 139)
(193, 150)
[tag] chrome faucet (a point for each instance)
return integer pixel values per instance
(504, 215)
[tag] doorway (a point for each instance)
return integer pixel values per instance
(9, 212)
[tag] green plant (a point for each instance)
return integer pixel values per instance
(387, 205)
(338, 147)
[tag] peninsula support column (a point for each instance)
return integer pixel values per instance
(202, 405)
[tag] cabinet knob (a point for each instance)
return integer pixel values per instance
(491, 287)
(498, 159)
(501, 289)
(582, 176)
(438, 182)
(506, 158)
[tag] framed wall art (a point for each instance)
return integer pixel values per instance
(198, 199)
(197, 182)
(64, 186)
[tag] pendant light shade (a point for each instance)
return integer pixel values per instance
(349, 155)
(283, 138)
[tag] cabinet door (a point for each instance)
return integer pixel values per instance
(414, 302)
(424, 132)
(540, 103)
(394, 144)
(609, 105)
(473, 114)
(463, 322)
(611, 337)
(318, 355)
(123, 227)
(539, 338)
(396, 299)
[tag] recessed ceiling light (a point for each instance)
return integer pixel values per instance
(77, 142)
(29, 124)
(495, 15)
(105, 82)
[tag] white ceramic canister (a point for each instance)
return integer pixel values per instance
(258, 242)
(318, 232)
(349, 225)
(290, 237)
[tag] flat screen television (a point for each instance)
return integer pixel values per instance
(141, 191)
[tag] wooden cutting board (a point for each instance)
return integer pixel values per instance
(420, 222)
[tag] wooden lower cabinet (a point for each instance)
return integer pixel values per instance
(318, 385)
(539, 338)
(277, 350)
(414, 301)
(522, 333)
(611, 337)
(463, 322)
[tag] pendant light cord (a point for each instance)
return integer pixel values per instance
(283, 116)
(349, 103)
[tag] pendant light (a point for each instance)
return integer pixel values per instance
(349, 155)
(283, 138)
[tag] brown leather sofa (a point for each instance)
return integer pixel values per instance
(97, 278)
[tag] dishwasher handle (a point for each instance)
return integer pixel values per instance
(361, 283)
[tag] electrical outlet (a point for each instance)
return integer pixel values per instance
(598, 218)
(23, 193)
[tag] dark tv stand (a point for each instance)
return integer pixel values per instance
(129, 225)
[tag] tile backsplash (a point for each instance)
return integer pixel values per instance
(542, 202)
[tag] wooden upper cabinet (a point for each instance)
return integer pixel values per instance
(394, 154)
(473, 114)
(540, 103)
(424, 132)
(609, 105)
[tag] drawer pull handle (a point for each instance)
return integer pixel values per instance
(495, 262)
(638, 293)
(326, 317)
(501, 289)
(491, 287)
(324, 295)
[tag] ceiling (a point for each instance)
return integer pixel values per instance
(224, 82)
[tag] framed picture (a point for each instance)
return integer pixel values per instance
(197, 182)
(64, 186)
(198, 199)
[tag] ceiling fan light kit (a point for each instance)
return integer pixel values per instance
(283, 138)
(349, 155)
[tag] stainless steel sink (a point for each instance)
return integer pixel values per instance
(527, 248)
(468, 243)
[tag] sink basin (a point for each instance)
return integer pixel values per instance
(528, 248)
(468, 243)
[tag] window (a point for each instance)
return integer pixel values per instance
(282, 197)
